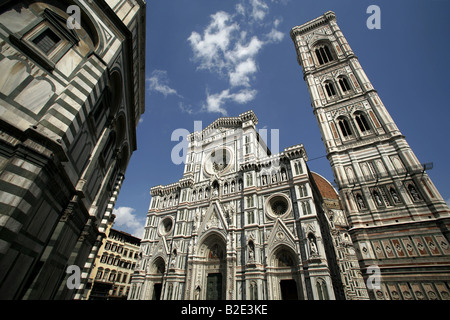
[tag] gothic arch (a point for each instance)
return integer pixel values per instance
(209, 239)
(322, 52)
(322, 289)
(344, 125)
(283, 256)
(156, 276)
(362, 121)
(284, 280)
(211, 267)
(158, 265)
(344, 83)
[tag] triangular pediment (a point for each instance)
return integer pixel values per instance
(162, 247)
(281, 235)
(213, 218)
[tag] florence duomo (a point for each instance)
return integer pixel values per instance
(248, 215)
(243, 223)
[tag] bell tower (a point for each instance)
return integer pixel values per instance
(399, 221)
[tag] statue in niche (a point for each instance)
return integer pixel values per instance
(251, 251)
(394, 195)
(414, 193)
(377, 198)
(215, 192)
(360, 201)
(312, 245)
(174, 257)
(283, 175)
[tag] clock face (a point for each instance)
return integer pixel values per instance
(218, 161)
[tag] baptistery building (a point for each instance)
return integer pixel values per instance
(72, 91)
(243, 223)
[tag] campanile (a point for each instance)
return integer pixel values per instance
(399, 221)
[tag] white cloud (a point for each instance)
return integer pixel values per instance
(244, 96)
(214, 102)
(240, 76)
(126, 220)
(240, 9)
(229, 46)
(275, 36)
(259, 9)
(244, 50)
(209, 48)
(159, 82)
(276, 22)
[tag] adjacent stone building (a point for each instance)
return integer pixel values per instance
(115, 263)
(243, 223)
(71, 95)
(399, 223)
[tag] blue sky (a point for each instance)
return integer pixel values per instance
(211, 58)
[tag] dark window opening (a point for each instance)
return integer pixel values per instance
(329, 87)
(345, 128)
(345, 86)
(319, 57)
(362, 122)
(323, 54)
(47, 41)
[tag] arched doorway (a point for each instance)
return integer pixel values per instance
(157, 273)
(284, 274)
(213, 265)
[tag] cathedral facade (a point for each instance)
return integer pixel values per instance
(243, 223)
(398, 220)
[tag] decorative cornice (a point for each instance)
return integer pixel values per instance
(312, 24)
(161, 190)
(289, 153)
(224, 122)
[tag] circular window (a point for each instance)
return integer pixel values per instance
(166, 226)
(278, 205)
(218, 161)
